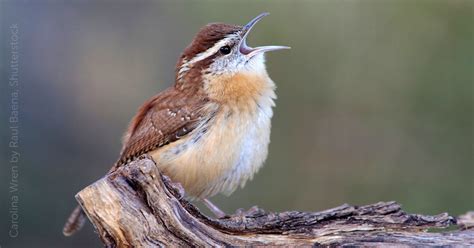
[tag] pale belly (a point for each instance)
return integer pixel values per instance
(220, 156)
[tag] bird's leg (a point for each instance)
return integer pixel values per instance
(214, 209)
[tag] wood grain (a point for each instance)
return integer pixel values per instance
(136, 206)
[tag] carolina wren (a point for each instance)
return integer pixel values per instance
(210, 131)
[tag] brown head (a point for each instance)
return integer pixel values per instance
(220, 49)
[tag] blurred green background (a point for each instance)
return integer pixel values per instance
(375, 101)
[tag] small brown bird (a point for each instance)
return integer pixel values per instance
(210, 131)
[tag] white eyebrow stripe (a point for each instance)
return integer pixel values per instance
(203, 55)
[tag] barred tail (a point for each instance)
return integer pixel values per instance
(75, 222)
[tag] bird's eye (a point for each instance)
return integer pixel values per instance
(225, 49)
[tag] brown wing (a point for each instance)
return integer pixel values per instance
(165, 118)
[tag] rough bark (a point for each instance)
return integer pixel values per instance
(138, 207)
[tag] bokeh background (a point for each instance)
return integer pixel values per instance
(375, 101)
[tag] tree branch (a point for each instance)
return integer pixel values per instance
(138, 207)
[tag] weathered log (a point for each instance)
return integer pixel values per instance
(138, 207)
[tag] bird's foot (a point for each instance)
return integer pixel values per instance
(251, 212)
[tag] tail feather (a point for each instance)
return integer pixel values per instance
(75, 222)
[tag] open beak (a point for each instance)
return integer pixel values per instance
(252, 51)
